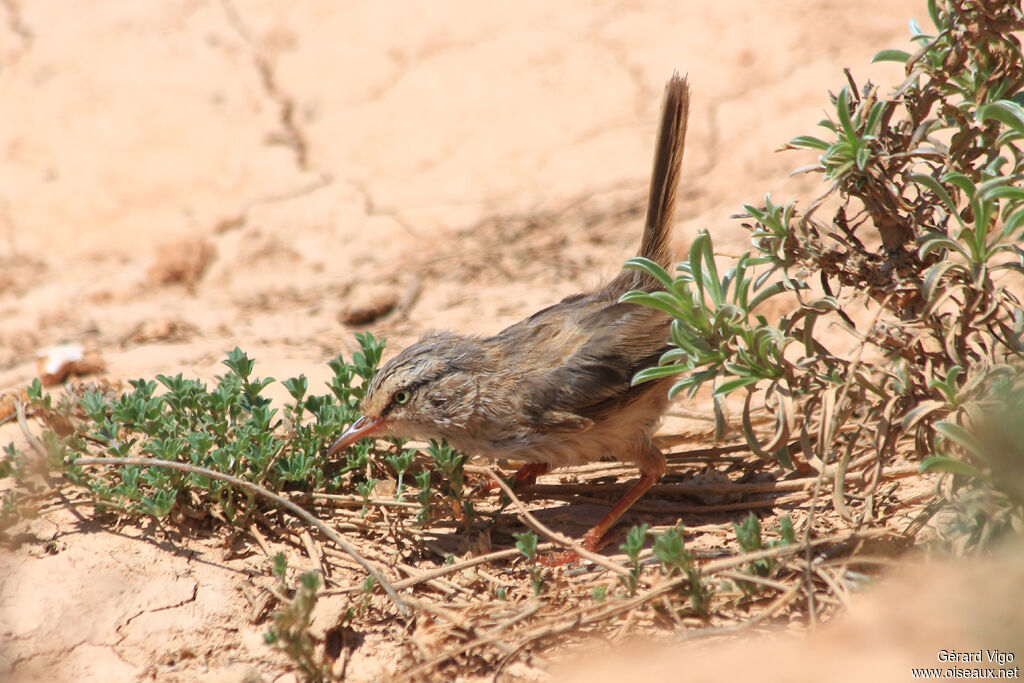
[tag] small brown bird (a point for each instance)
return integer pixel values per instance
(555, 389)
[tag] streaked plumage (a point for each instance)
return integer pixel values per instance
(554, 388)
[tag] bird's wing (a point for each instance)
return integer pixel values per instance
(594, 379)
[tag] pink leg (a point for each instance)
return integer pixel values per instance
(525, 476)
(655, 468)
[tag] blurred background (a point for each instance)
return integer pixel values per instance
(198, 174)
(178, 178)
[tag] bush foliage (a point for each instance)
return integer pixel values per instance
(922, 250)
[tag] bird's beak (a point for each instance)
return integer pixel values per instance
(361, 428)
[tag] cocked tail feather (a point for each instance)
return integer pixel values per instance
(668, 158)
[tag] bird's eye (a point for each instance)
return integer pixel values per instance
(402, 397)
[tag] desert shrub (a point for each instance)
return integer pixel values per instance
(229, 428)
(922, 249)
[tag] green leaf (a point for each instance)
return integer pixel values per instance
(1007, 112)
(958, 435)
(648, 266)
(933, 278)
(960, 180)
(770, 291)
(936, 187)
(1005, 192)
(933, 12)
(526, 542)
(874, 116)
(843, 109)
(663, 301)
(1013, 222)
(657, 372)
(693, 381)
(35, 390)
(239, 363)
(809, 141)
(863, 154)
(891, 56)
(711, 268)
(942, 463)
(296, 386)
(732, 385)
(695, 253)
(934, 241)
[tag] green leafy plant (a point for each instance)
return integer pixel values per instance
(919, 264)
(229, 428)
(670, 551)
(365, 489)
(290, 630)
(449, 463)
(981, 447)
(526, 542)
(749, 538)
(632, 546)
(425, 497)
(368, 585)
(401, 463)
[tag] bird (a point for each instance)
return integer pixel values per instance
(555, 389)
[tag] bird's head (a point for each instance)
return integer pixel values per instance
(424, 392)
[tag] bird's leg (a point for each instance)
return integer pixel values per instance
(592, 539)
(652, 469)
(525, 476)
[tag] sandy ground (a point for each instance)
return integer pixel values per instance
(179, 178)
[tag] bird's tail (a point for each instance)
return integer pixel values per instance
(668, 157)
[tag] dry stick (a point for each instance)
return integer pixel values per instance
(428, 575)
(493, 636)
(535, 524)
(315, 556)
(19, 410)
(260, 541)
(442, 585)
(808, 579)
(627, 624)
(526, 613)
(687, 509)
(804, 483)
(670, 440)
(580, 617)
(801, 484)
(40, 451)
(783, 550)
(718, 566)
(681, 488)
(342, 500)
(260, 491)
(832, 427)
(460, 622)
(715, 565)
(715, 631)
(753, 578)
(846, 562)
(575, 620)
(567, 492)
(840, 590)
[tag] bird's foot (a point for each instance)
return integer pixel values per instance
(558, 559)
(524, 477)
(592, 541)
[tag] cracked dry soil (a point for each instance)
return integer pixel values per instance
(486, 159)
